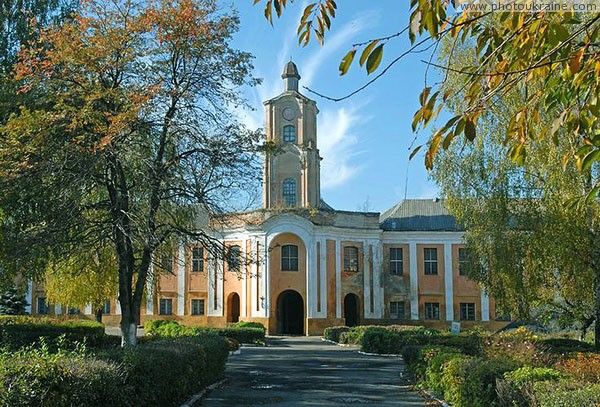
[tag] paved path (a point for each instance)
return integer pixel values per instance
(305, 371)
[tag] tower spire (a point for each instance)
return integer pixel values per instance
(290, 76)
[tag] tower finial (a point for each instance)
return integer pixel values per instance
(290, 76)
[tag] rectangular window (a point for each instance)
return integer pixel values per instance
(106, 307)
(73, 311)
(463, 261)
(350, 258)
(430, 261)
(166, 263)
(396, 262)
(197, 307)
(197, 259)
(432, 310)
(166, 306)
(234, 254)
(289, 257)
(42, 306)
(467, 311)
(397, 309)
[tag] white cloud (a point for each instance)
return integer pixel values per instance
(338, 145)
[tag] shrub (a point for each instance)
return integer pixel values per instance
(565, 345)
(355, 334)
(243, 324)
(566, 394)
(520, 346)
(333, 333)
(467, 344)
(172, 329)
(517, 386)
(584, 367)
(393, 341)
(243, 335)
(471, 381)
(435, 360)
(19, 331)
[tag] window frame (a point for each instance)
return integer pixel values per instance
(431, 309)
(399, 305)
(287, 136)
(197, 262)
(163, 308)
(430, 266)
(464, 261)
(106, 307)
(201, 310)
(467, 314)
(44, 308)
(289, 192)
(234, 263)
(397, 265)
(289, 258)
(349, 256)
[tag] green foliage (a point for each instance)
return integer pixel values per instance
(155, 373)
(354, 336)
(520, 346)
(172, 329)
(245, 324)
(12, 302)
(19, 331)
(333, 333)
(469, 381)
(564, 345)
(566, 394)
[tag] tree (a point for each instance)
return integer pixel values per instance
(12, 302)
(83, 279)
(138, 145)
(514, 53)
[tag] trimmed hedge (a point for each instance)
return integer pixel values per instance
(517, 388)
(156, 373)
(565, 345)
(566, 394)
(172, 329)
(19, 331)
(333, 333)
(244, 324)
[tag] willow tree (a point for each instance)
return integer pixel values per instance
(138, 144)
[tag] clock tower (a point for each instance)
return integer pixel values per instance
(291, 176)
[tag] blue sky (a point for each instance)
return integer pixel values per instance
(364, 140)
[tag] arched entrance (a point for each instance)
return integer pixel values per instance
(351, 310)
(290, 313)
(233, 307)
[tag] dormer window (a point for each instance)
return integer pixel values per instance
(289, 134)
(289, 192)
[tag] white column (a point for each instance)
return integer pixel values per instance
(448, 290)
(181, 280)
(220, 281)
(118, 308)
(414, 282)
(311, 279)
(243, 300)
(210, 286)
(29, 297)
(378, 290)
(88, 309)
(265, 283)
(58, 309)
(338, 279)
(485, 306)
(254, 280)
(150, 290)
(366, 279)
(323, 268)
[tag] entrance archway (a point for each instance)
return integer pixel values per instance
(233, 307)
(290, 313)
(351, 310)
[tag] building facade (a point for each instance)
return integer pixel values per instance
(298, 266)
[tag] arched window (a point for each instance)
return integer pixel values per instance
(289, 257)
(289, 133)
(289, 192)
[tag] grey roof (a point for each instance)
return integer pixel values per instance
(290, 69)
(418, 215)
(325, 205)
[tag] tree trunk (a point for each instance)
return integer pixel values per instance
(597, 305)
(99, 315)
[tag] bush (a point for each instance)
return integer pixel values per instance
(432, 369)
(355, 334)
(584, 367)
(156, 373)
(467, 344)
(243, 324)
(566, 394)
(520, 346)
(471, 381)
(517, 386)
(333, 333)
(172, 329)
(19, 331)
(565, 345)
(393, 341)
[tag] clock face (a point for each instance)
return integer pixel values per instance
(289, 113)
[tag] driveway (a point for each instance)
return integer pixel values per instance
(305, 371)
